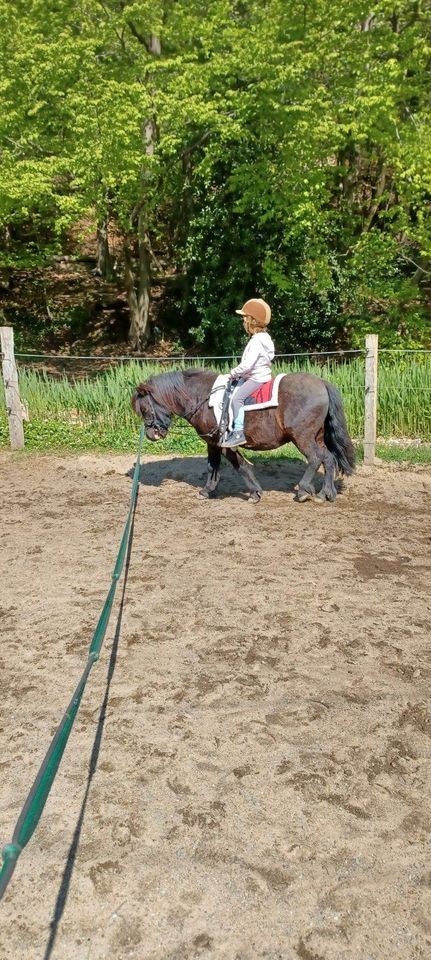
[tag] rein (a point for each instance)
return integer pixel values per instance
(157, 425)
(190, 416)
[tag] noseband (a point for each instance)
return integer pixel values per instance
(155, 423)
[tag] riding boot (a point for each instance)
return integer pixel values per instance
(235, 439)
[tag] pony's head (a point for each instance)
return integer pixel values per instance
(156, 416)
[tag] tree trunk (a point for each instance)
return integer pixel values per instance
(375, 205)
(137, 282)
(104, 259)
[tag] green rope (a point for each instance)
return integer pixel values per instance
(35, 802)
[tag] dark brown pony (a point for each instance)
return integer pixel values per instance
(309, 413)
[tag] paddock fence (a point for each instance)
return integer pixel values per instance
(54, 400)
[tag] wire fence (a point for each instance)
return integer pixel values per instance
(77, 401)
(176, 358)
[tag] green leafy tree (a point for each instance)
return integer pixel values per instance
(325, 163)
(266, 148)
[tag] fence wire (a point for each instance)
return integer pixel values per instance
(79, 401)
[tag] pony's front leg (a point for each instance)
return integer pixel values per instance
(246, 470)
(214, 457)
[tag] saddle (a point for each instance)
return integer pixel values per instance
(220, 401)
(266, 395)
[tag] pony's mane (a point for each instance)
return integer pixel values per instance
(169, 386)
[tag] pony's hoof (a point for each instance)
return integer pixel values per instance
(302, 496)
(255, 496)
(206, 494)
(323, 497)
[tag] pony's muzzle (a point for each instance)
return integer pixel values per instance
(152, 433)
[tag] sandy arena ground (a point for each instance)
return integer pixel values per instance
(259, 783)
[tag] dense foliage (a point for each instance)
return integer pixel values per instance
(250, 147)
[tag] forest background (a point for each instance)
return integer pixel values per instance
(164, 160)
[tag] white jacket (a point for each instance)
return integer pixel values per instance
(256, 360)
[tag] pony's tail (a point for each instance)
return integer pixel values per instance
(336, 435)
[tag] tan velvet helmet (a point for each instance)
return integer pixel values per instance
(258, 309)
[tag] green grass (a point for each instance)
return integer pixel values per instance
(94, 413)
(388, 452)
(57, 437)
(400, 453)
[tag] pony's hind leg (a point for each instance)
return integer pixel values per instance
(245, 468)
(213, 476)
(315, 455)
(329, 490)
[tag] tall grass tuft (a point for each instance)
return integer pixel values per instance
(95, 410)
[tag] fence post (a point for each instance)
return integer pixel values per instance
(370, 426)
(13, 400)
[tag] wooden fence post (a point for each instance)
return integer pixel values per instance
(370, 426)
(13, 400)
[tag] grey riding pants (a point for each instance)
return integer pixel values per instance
(244, 390)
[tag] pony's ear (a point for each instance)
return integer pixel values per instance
(138, 395)
(144, 388)
(141, 390)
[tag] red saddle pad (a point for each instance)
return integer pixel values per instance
(264, 392)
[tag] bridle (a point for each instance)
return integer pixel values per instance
(155, 423)
(161, 429)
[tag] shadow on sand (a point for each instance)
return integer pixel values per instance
(66, 879)
(273, 474)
